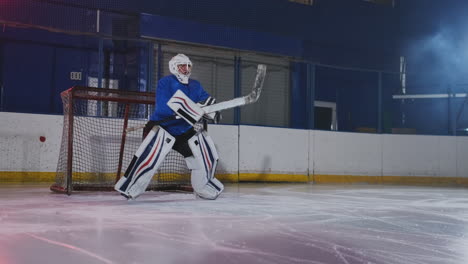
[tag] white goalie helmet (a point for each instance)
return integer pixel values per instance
(180, 59)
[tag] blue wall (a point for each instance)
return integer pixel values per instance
(332, 31)
(21, 73)
(351, 33)
(38, 63)
(343, 32)
(219, 35)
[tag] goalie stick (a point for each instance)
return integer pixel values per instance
(244, 100)
(252, 97)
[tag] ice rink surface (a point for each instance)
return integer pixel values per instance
(249, 223)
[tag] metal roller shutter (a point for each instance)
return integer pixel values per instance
(214, 68)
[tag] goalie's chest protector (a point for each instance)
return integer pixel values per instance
(193, 89)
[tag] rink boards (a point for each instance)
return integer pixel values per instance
(265, 154)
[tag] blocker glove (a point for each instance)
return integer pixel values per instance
(215, 117)
(211, 117)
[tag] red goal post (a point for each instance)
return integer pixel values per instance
(97, 146)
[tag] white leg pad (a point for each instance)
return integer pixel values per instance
(144, 164)
(203, 165)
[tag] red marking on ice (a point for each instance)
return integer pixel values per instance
(80, 250)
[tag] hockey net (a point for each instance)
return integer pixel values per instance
(96, 147)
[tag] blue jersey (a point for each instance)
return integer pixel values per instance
(167, 86)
